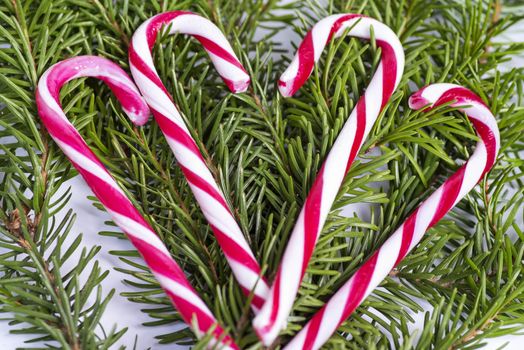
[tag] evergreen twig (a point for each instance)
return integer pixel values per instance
(265, 152)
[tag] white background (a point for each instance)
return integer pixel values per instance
(120, 311)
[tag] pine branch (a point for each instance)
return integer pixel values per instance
(266, 151)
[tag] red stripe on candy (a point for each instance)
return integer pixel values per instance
(219, 51)
(158, 21)
(450, 192)
(312, 209)
(160, 262)
(204, 322)
(274, 307)
(389, 70)
(487, 136)
(202, 184)
(306, 61)
(339, 22)
(359, 286)
(461, 95)
(64, 131)
(234, 251)
(359, 132)
(407, 236)
(175, 132)
(110, 197)
(313, 328)
(137, 62)
(360, 282)
(257, 300)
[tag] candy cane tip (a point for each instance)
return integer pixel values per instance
(263, 337)
(430, 94)
(286, 88)
(237, 86)
(267, 333)
(417, 101)
(139, 117)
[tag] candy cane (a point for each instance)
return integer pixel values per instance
(122, 211)
(368, 276)
(206, 191)
(272, 317)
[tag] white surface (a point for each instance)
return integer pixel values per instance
(90, 221)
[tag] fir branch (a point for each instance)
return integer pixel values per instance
(266, 151)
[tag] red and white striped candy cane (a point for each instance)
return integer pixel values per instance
(368, 276)
(209, 196)
(122, 211)
(273, 315)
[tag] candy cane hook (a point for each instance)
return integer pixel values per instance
(208, 194)
(122, 211)
(373, 271)
(272, 317)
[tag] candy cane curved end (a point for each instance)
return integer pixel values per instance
(273, 315)
(368, 276)
(321, 34)
(82, 66)
(212, 39)
(170, 276)
(467, 101)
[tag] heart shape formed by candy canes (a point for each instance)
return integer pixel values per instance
(170, 276)
(278, 301)
(272, 317)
